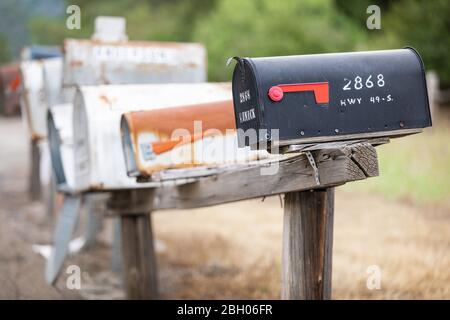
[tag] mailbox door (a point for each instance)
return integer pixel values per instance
(249, 110)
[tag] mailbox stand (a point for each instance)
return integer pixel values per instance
(35, 163)
(308, 215)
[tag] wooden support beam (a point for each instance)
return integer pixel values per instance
(307, 244)
(336, 166)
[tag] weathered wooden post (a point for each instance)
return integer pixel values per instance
(139, 259)
(138, 252)
(307, 244)
(295, 101)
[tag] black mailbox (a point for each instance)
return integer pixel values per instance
(328, 97)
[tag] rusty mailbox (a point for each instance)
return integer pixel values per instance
(181, 137)
(93, 62)
(98, 159)
(326, 97)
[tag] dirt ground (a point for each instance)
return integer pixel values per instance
(228, 251)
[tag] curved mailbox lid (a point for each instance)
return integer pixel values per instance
(374, 92)
(185, 136)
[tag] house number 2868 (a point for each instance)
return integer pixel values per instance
(358, 83)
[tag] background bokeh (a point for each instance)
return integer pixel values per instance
(243, 28)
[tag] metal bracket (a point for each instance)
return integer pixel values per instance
(312, 162)
(65, 228)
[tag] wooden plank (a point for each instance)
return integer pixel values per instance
(139, 259)
(336, 166)
(307, 244)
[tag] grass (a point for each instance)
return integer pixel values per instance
(415, 168)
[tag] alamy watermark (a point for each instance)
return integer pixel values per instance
(211, 147)
(374, 277)
(373, 22)
(73, 281)
(73, 21)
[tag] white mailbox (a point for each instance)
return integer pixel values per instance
(34, 105)
(99, 161)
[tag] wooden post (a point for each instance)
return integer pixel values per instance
(139, 257)
(307, 244)
(35, 179)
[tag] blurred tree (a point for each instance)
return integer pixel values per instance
(5, 55)
(424, 25)
(267, 27)
(146, 20)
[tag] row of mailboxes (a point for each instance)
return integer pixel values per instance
(310, 98)
(110, 62)
(98, 157)
(123, 132)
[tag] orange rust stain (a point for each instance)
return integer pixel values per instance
(104, 99)
(36, 137)
(162, 122)
(76, 63)
(214, 115)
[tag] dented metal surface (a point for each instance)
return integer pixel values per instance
(185, 136)
(92, 62)
(41, 88)
(99, 161)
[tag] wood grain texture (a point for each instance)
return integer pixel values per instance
(307, 244)
(336, 167)
(336, 164)
(139, 260)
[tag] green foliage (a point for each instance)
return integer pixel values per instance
(424, 25)
(356, 9)
(171, 20)
(5, 55)
(266, 27)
